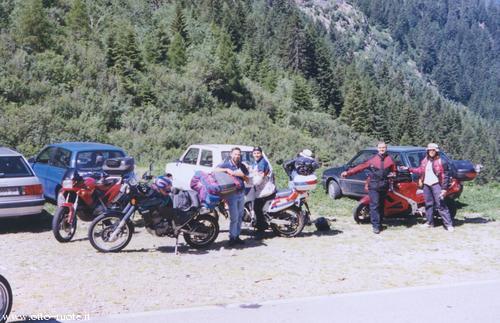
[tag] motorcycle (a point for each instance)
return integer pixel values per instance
(88, 197)
(5, 299)
(112, 230)
(405, 198)
(288, 212)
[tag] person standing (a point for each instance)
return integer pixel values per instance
(434, 173)
(261, 170)
(379, 167)
(236, 201)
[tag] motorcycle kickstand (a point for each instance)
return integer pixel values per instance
(176, 244)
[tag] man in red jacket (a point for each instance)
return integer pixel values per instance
(379, 166)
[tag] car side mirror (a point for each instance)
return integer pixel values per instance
(31, 160)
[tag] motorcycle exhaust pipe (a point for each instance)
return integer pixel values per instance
(278, 221)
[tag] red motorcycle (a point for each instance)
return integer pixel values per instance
(88, 197)
(405, 198)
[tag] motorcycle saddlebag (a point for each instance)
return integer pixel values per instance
(119, 166)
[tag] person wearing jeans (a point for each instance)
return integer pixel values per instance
(379, 167)
(236, 201)
(434, 173)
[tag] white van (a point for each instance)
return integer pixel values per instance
(204, 157)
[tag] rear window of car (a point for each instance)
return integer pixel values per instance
(93, 160)
(14, 166)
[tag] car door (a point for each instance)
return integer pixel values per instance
(58, 165)
(355, 184)
(185, 168)
(41, 165)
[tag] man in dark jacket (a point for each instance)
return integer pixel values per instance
(379, 166)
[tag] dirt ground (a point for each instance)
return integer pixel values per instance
(53, 278)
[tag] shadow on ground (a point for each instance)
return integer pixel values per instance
(32, 223)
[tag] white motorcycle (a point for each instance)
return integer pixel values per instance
(287, 213)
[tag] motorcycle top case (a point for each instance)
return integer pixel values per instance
(119, 166)
(463, 170)
(304, 183)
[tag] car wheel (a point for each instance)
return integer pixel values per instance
(334, 190)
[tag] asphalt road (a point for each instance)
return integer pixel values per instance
(462, 302)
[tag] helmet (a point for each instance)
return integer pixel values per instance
(433, 146)
(322, 224)
(163, 184)
(306, 153)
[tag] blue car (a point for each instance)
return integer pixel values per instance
(56, 161)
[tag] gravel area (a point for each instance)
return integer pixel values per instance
(53, 278)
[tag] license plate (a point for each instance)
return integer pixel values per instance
(9, 191)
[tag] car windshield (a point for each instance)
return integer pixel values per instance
(246, 156)
(14, 166)
(93, 160)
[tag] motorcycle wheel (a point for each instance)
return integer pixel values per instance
(5, 299)
(62, 230)
(101, 229)
(294, 228)
(203, 230)
(361, 213)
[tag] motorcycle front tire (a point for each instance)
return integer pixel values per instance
(361, 213)
(66, 233)
(5, 299)
(107, 222)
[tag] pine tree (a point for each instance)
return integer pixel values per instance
(179, 26)
(177, 52)
(78, 19)
(329, 95)
(295, 44)
(156, 46)
(355, 112)
(32, 28)
(301, 95)
(130, 50)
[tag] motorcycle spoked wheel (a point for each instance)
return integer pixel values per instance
(361, 213)
(294, 227)
(100, 231)
(63, 230)
(5, 299)
(203, 230)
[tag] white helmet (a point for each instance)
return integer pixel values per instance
(306, 153)
(433, 146)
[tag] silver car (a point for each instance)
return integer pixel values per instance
(20, 190)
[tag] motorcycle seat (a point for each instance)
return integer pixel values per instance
(284, 192)
(103, 182)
